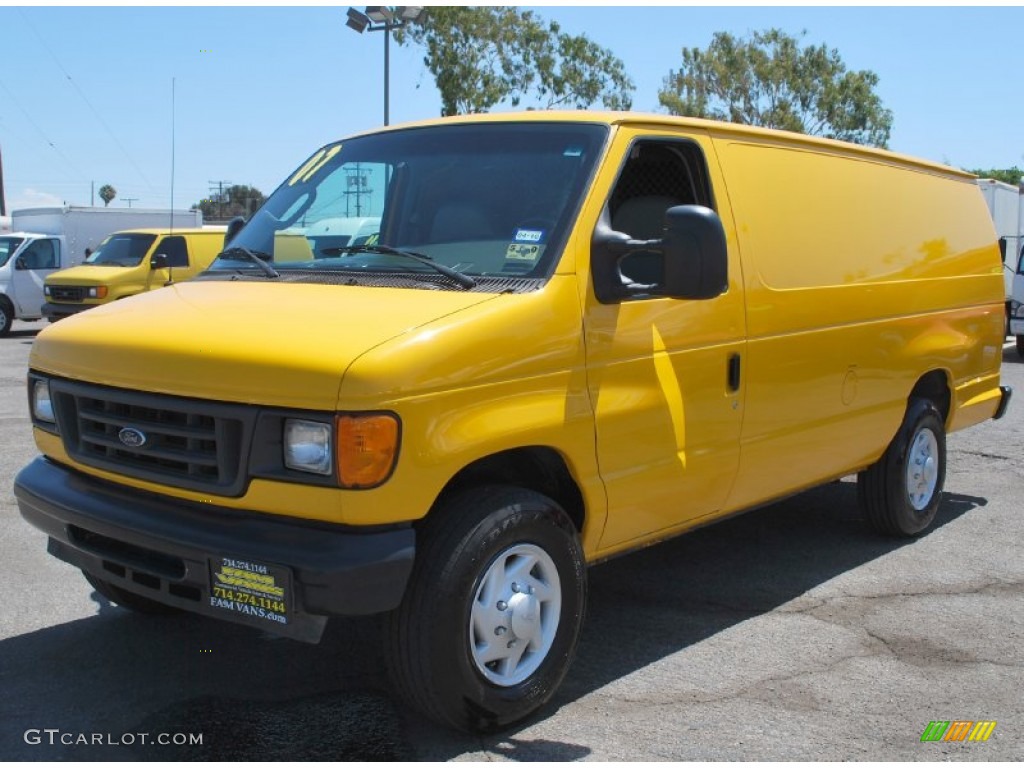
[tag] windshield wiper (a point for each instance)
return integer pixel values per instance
(268, 270)
(462, 279)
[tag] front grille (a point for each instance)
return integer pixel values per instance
(192, 444)
(67, 292)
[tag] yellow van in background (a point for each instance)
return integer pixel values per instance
(127, 263)
(573, 335)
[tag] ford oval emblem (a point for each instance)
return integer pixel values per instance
(131, 437)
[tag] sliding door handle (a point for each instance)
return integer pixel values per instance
(734, 372)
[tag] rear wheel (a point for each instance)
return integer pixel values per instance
(128, 600)
(492, 615)
(900, 493)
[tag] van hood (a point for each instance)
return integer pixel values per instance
(83, 275)
(275, 344)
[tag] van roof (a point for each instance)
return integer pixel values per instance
(658, 120)
(165, 231)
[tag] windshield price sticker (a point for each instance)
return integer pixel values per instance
(252, 590)
(519, 252)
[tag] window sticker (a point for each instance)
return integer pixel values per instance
(529, 235)
(522, 252)
(573, 152)
(314, 164)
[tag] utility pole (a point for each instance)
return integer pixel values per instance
(129, 200)
(358, 186)
(219, 186)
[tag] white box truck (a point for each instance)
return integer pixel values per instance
(44, 240)
(1005, 205)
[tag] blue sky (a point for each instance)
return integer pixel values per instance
(86, 92)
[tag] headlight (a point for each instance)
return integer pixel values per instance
(307, 446)
(98, 292)
(367, 448)
(46, 290)
(42, 406)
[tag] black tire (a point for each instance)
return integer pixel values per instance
(1020, 346)
(475, 542)
(128, 600)
(900, 493)
(6, 316)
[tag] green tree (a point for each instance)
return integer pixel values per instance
(107, 193)
(771, 81)
(481, 57)
(237, 200)
(1007, 175)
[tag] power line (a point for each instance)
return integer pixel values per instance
(42, 134)
(86, 100)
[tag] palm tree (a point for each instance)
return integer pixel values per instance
(107, 193)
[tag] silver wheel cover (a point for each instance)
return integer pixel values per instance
(516, 607)
(922, 469)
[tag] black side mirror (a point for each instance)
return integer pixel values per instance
(693, 251)
(19, 263)
(159, 261)
(696, 257)
(234, 227)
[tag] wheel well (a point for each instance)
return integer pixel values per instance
(536, 468)
(933, 386)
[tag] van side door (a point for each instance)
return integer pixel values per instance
(39, 259)
(664, 374)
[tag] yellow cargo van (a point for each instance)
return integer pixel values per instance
(573, 335)
(130, 262)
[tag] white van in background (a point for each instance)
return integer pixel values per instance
(44, 240)
(26, 259)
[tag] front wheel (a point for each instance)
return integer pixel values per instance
(492, 615)
(6, 316)
(1020, 346)
(900, 493)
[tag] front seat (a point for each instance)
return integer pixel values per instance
(643, 218)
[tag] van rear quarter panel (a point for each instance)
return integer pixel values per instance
(862, 273)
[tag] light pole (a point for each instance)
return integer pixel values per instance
(383, 18)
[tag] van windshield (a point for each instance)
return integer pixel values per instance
(491, 200)
(122, 250)
(8, 245)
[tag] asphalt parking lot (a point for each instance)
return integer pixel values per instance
(790, 633)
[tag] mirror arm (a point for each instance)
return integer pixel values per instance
(609, 246)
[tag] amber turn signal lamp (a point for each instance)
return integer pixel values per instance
(367, 448)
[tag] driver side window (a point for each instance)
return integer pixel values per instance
(40, 255)
(658, 175)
